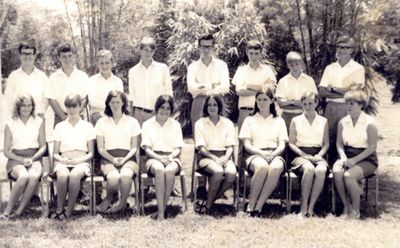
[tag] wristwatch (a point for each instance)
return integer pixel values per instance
(333, 91)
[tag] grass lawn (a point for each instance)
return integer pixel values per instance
(224, 229)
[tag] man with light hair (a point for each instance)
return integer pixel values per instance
(148, 79)
(101, 84)
(338, 78)
(292, 86)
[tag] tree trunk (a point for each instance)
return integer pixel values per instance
(303, 42)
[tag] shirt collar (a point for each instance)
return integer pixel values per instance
(208, 120)
(211, 63)
(290, 75)
(142, 65)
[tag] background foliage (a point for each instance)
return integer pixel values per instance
(308, 26)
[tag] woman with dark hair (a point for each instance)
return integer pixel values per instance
(73, 150)
(117, 141)
(24, 145)
(215, 138)
(162, 141)
(309, 140)
(264, 136)
(357, 139)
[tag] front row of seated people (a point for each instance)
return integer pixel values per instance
(264, 136)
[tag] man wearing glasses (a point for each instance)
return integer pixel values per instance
(148, 80)
(339, 77)
(27, 79)
(208, 75)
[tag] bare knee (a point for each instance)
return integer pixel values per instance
(308, 169)
(62, 175)
(320, 171)
(126, 174)
(276, 168)
(113, 178)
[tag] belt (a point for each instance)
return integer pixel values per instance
(246, 108)
(293, 111)
(337, 100)
(144, 110)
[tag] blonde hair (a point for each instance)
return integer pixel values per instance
(18, 103)
(357, 96)
(293, 56)
(107, 54)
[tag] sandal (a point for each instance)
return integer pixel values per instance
(200, 207)
(58, 216)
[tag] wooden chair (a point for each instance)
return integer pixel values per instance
(196, 175)
(145, 176)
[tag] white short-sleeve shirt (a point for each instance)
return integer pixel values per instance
(261, 77)
(214, 77)
(264, 132)
(163, 138)
(62, 85)
(99, 87)
(147, 84)
(25, 136)
(309, 135)
(356, 135)
(35, 84)
(73, 137)
(215, 137)
(290, 87)
(343, 77)
(117, 135)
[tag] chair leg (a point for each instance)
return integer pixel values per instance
(137, 203)
(236, 194)
(366, 189)
(244, 191)
(1, 196)
(183, 188)
(376, 195)
(195, 185)
(288, 194)
(42, 200)
(141, 196)
(333, 196)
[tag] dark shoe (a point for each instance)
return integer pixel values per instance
(57, 216)
(255, 214)
(201, 193)
(201, 208)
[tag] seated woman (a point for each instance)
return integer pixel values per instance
(162, 141)
(309, 140)
(24, 146)
(117, 141)
(215, 138)
(356, 143)
(264, 136)
(73, 150)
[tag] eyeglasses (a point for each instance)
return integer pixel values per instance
(344, 47)
(27, 54)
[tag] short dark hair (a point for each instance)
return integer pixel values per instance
(65, 48)
(219, 101)
(18, 103)
(270, 92)
(164, 99)
(206, 37)
(147, 41)
(110, 96)
(73, 101)
(345, 39)
(254, 44)
(27, 45)
(310, 94)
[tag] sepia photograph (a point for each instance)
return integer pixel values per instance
(200, 123)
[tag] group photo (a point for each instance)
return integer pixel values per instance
(166, 123)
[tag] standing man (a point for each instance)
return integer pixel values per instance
(148, 80)
(27, 79)
(66, 80)
(338, 78)
(101, 84)
(292, 86)
(208, 75)
(251, 78)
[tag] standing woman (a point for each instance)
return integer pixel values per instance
(24, 146)
(117, 141)
(356, 144)
(162, 141)
(264, 136)
(73, 150)
(309, 140)
(215, 138)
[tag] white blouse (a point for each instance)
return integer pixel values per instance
(214, 137)
(117, 135)
(356, 135)
(25, 136)
(163, 138)
(73, 137)
(264, 132)
(309, 135)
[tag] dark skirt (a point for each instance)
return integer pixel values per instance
(352, 152)
(200, 157)
(117, 153)
(26, 153)
(176, 160)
